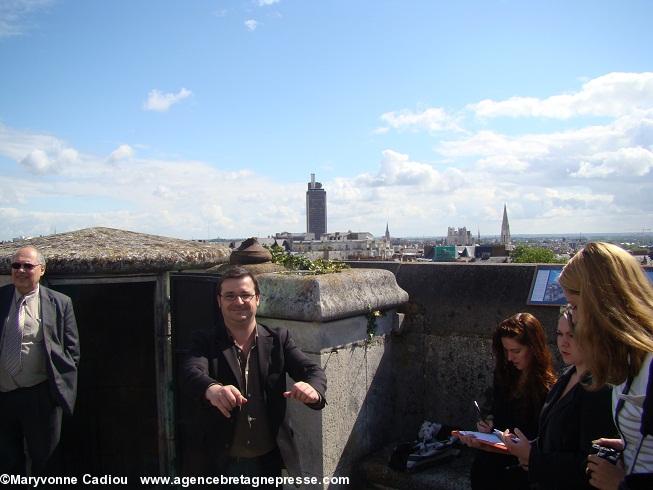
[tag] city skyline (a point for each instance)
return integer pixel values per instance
(203, 119)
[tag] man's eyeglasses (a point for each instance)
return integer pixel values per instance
(28, 267)
(233, 297)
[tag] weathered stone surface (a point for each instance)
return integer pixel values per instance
(443, 359)
(327, 297)
(450, 474)
(108, 250)
(315, 337)
(468, 299)
(359, 395)
(457, 372)
(255, 269)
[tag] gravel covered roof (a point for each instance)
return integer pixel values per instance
(108, 250)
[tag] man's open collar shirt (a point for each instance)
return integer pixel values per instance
(252, 436)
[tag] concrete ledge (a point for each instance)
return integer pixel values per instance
(328, 297)
(452, 474)
(315, 337)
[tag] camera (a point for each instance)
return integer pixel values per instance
(608, 453)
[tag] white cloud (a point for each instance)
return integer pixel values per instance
(18, 145)
(251, 24)
(624, 162)
(38, 161)
(161, 102)
(578, 194)
(9, 193)
(38, 153)
(615, 94)
(164, 192)
(433, 119)
(68, 156)
(182, 198)
(122, 153)
(509, 163)
(620, 149)
(397, 169)
(264, 3)
(14, 13)
(490, 143)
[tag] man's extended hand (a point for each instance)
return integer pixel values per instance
(303, 392)
(224, 398)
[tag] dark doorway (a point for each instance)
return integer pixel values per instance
(114, 429)
(194, 307)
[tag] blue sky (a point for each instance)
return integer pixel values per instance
(206, 118)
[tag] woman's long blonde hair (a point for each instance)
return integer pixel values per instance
(615, 311)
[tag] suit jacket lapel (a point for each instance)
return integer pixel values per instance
(264, 348)
(230, 357)
(225, 346)
(48, 316)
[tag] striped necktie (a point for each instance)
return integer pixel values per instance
(14, 339)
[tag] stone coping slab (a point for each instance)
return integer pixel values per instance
(109, 250)
(327, 297)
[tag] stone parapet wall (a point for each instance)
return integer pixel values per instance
(327, 317)
(442, 361)
(359, 393)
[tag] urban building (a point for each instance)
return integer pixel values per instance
(316, 209)
(460, 236)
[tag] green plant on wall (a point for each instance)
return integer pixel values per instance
(372, 316)
(302, 263)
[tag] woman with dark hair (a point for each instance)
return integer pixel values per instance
(523, 375)
(572, 417)
(614, 314)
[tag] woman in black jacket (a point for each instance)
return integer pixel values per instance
(523, 375)
(572, 417)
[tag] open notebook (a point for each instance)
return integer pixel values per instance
(489, 439)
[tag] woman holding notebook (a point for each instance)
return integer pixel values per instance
(523, 375)
(572, 417)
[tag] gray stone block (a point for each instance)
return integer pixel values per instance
(328, 297)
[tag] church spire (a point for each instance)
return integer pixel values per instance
(387, 232)
(505, 228)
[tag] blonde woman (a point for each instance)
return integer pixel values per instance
(614, 313)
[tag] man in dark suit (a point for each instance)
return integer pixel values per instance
(39, 354)
(238, 373)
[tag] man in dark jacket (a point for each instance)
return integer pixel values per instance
(238, 372)
(39, 354)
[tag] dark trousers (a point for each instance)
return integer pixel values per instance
(268, 465)
(491, 471)
(30, 421)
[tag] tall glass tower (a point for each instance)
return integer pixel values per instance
(316, 209)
